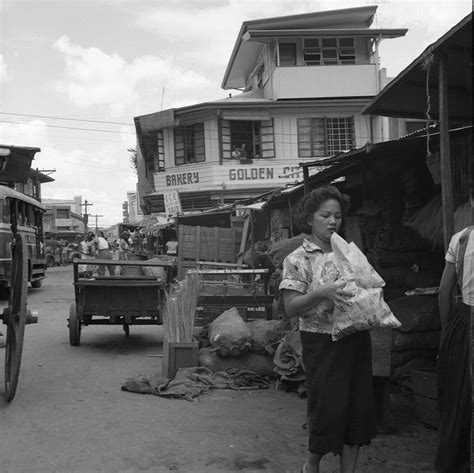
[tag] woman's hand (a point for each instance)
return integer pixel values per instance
(335, 291)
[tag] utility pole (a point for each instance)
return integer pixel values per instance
(86, 214)
(96, 218)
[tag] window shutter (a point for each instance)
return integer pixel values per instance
(225, 139)
(267, 138)
(179, 140)
(160, 157)
(199, 148)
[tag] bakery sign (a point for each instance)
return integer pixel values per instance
(218, 173)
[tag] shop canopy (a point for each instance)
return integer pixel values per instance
(406, 96)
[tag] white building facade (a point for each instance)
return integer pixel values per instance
(302, 82)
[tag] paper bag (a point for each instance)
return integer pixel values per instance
(367, 308)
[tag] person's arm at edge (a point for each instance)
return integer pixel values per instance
(445, 293)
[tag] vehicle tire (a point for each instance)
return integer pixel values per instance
(36, 284)
(4, 293)
(74, 326)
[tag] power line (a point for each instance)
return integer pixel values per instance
(70, 127)
(64, 118)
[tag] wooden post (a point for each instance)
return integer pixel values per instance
(445, 153)
(306, 179)
(252, 238)
(290, 233)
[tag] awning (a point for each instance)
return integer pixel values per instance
(255, 206)
(15, 162)
(406, 97)
(270, 35)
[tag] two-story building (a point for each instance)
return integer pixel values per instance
(302, 81)
(63, 217)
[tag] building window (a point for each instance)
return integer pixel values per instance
(320, 137)
(287, 54)
(189, 144)
(327, 51)
(63, 213)
(247, 139)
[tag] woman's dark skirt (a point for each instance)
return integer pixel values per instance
(340, 391)
(454, 391)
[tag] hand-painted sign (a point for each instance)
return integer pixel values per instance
(172, 203)
(182, 178)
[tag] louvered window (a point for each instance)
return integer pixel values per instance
(189, 144)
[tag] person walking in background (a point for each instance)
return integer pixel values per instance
(103, 252)
(341, 412)
(86, 253)
(172, 247)
(454, 361)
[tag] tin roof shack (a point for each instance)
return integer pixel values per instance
(437, 86)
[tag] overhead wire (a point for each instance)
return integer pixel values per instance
(70, 127)
(65, 118)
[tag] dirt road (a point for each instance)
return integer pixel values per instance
(70, 415)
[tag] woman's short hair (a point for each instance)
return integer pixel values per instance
(312, 201)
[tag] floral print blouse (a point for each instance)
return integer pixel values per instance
(303, 270)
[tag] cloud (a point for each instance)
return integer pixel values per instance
(101, 173)
(94, 78)
(32, 133)
(4, 76)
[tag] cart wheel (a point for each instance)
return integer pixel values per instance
(126, 329)
(74, 326)
(16, 316)
(37, 284)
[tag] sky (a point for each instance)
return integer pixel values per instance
(74, 73)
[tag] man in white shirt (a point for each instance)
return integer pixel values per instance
(103, 252)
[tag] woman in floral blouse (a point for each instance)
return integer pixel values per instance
(338, 374)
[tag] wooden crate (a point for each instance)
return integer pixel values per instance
(425, 390)
(178, 355)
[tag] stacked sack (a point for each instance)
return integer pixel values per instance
(415, 344)
(235, 343)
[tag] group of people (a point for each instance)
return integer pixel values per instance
(242, 152)
(95, 246)
(341, 411)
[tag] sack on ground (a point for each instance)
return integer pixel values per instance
(229, 335)
(260, 364)
(265, 335)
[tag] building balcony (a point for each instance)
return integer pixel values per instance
(303, 82)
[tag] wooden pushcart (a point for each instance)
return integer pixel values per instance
(16, 315)
(116, 300)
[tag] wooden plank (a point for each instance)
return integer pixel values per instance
(228, 271)
(445, 153)
(115, 262)
(243, 241)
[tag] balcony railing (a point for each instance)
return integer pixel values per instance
(301, 82)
